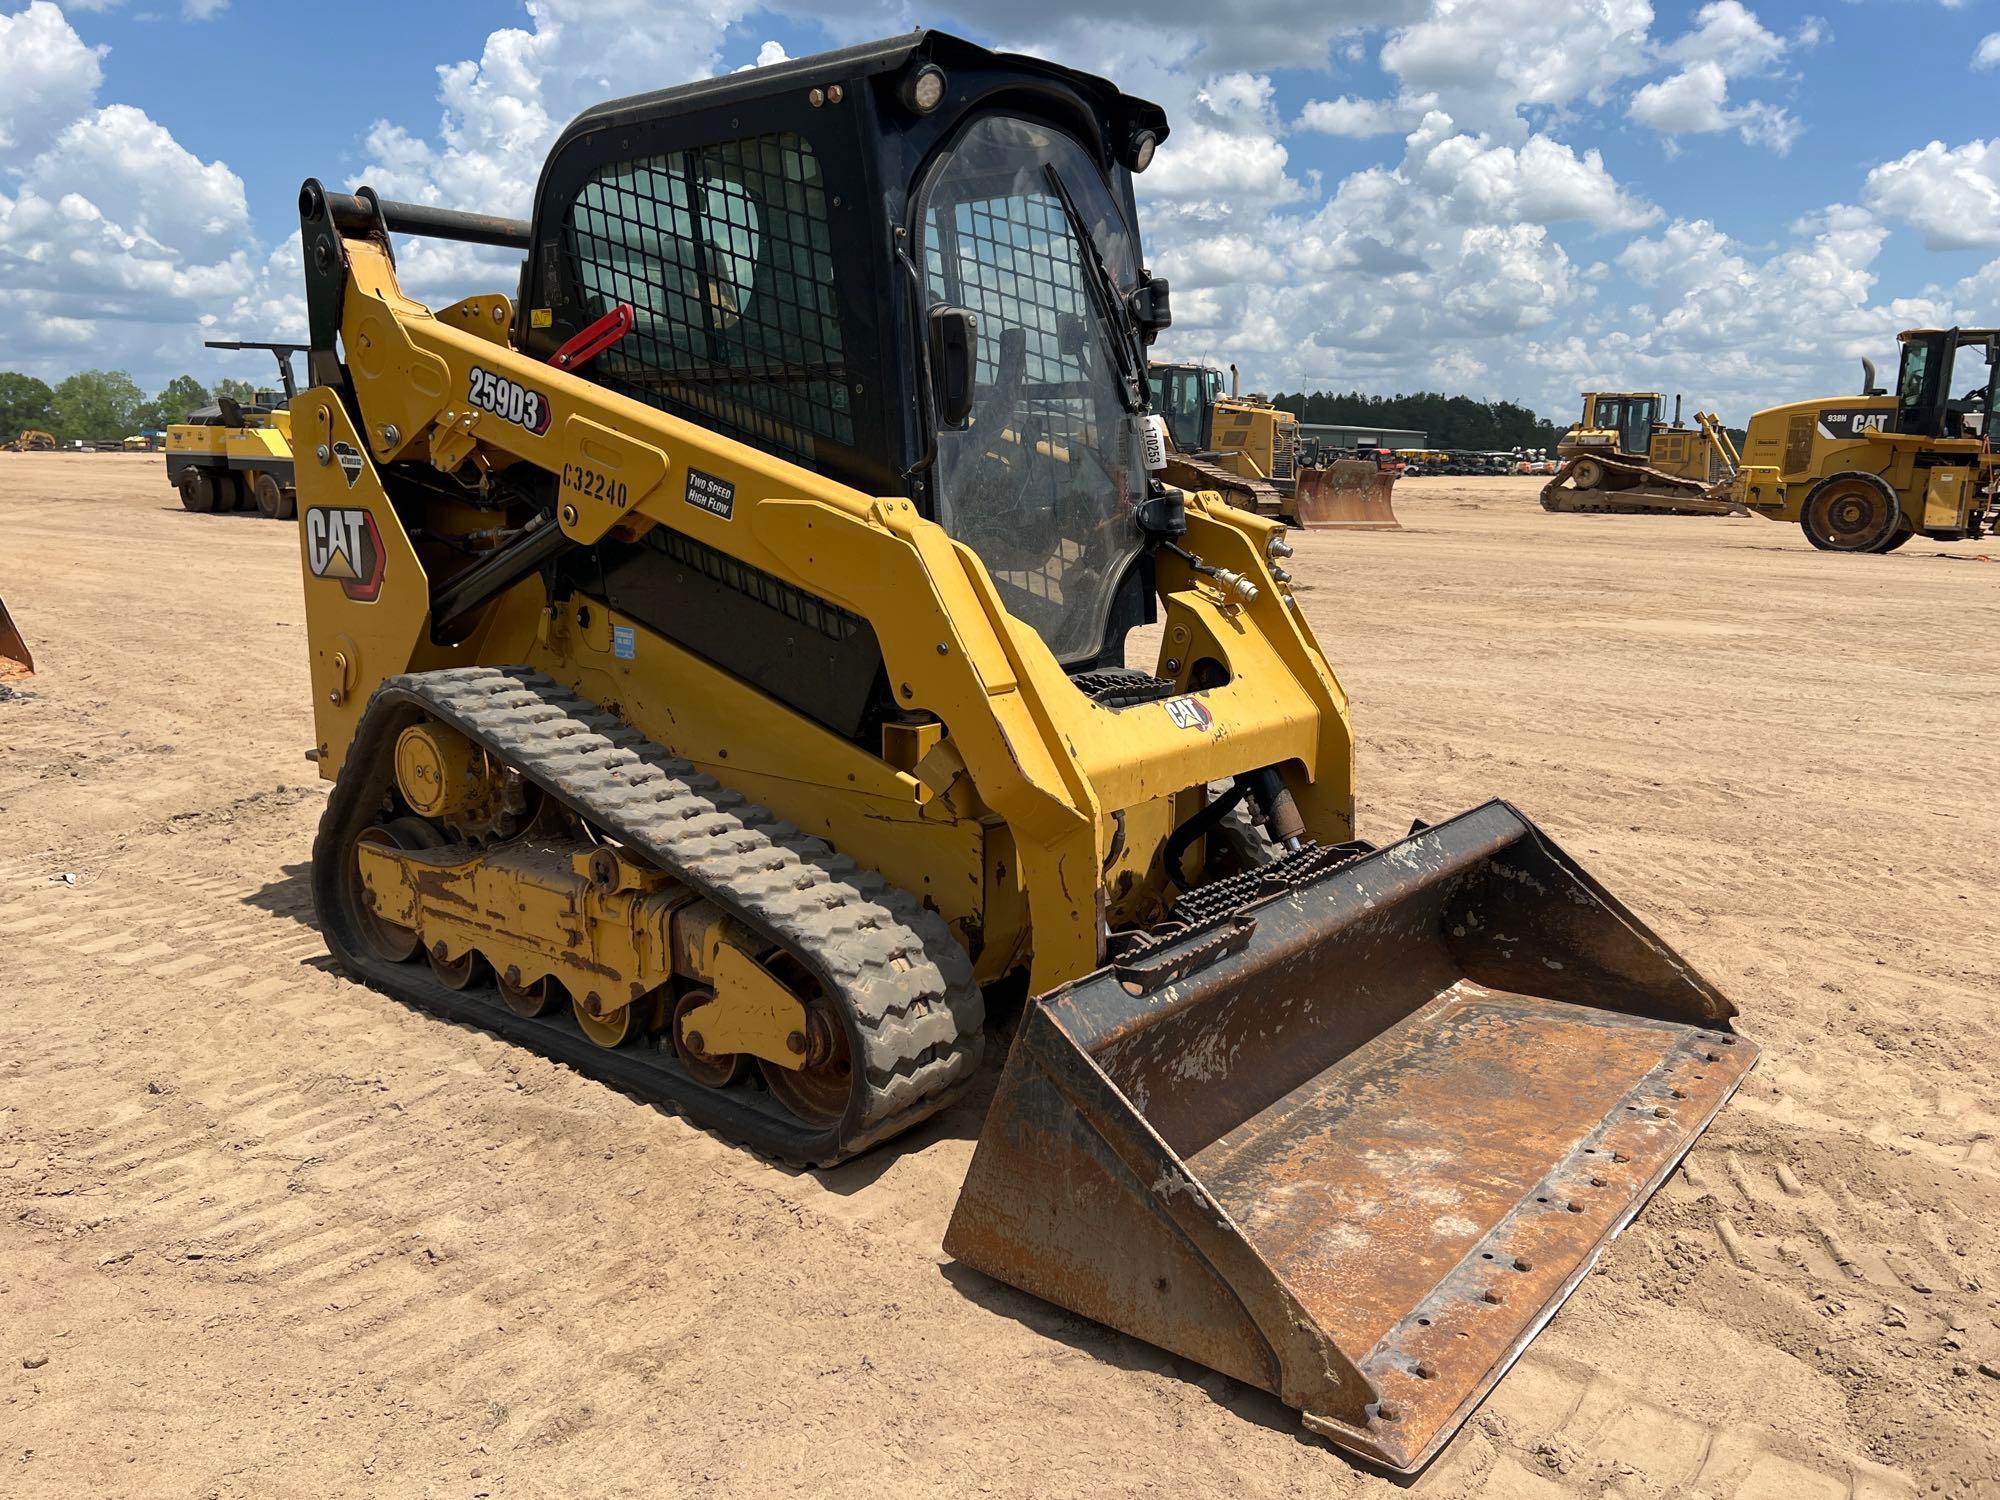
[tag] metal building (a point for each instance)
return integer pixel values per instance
(1344, 435)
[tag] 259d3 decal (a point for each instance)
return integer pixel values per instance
(509, 400)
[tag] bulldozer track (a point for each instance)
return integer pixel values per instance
(915, 1017)
(1654, 492)
(1258, 496)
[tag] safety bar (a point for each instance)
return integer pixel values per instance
(359, 213)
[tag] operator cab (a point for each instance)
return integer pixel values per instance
(1185, 395)
(913, 266)
(1924, 403)
(1632, 415)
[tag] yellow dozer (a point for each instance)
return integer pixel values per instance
(1623, 459)
(719, 659)
(1867, 473)
(1248, 451)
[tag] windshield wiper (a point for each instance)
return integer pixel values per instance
(1105, 297)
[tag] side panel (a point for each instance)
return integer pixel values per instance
(366, 593)
(1948, 493)
(1791, 448)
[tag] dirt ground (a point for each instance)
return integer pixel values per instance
(265, 1232)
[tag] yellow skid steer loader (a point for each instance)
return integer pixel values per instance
(719, 656)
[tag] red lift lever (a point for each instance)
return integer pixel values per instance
(594, 340)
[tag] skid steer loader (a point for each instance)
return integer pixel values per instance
(1622, 459)
(1248, 451)
(719, 658)
(1867, 473)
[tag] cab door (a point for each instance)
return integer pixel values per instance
(1635, 433)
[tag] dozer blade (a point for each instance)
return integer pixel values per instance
(1350, 494)
(16, 661)
(1355, 1141)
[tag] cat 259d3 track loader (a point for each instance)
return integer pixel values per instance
(719, 656)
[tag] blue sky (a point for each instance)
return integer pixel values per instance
(1508, 197)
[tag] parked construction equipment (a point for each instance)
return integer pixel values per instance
(1866, 473)
(34, 440)
(719, 663)
(1347, 494)
(1248, 451)
(236, 456)
(1621, 457)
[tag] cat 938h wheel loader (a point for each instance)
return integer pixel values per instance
(719, 657)
(1867, 473)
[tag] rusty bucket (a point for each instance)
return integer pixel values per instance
(1350, 494)
(16, 661)
(1355, 1144)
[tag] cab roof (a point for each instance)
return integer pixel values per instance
(849, 64)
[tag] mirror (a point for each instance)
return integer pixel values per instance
(954, 362)
(1152, 308)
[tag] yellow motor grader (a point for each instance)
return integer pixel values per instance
(1248, 451)
(720, 659)
(1621, 458)
(1867, 473)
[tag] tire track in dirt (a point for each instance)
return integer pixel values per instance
(217, 1165)
(378, 1245)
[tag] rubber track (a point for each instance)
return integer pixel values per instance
(915, 1015)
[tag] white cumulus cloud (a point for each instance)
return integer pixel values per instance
(50, 77)
(1727, 43)
(1950, 195)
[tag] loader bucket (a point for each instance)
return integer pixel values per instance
(15, 660)
(1355, 1142)
(1350, 494)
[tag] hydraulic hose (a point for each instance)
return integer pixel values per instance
(1202, 823)
(539, 542)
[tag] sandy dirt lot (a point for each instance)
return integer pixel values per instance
(265, 1232)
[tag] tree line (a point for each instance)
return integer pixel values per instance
(103, 405)
(1446, 421)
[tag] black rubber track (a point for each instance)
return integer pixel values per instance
(904, 986)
